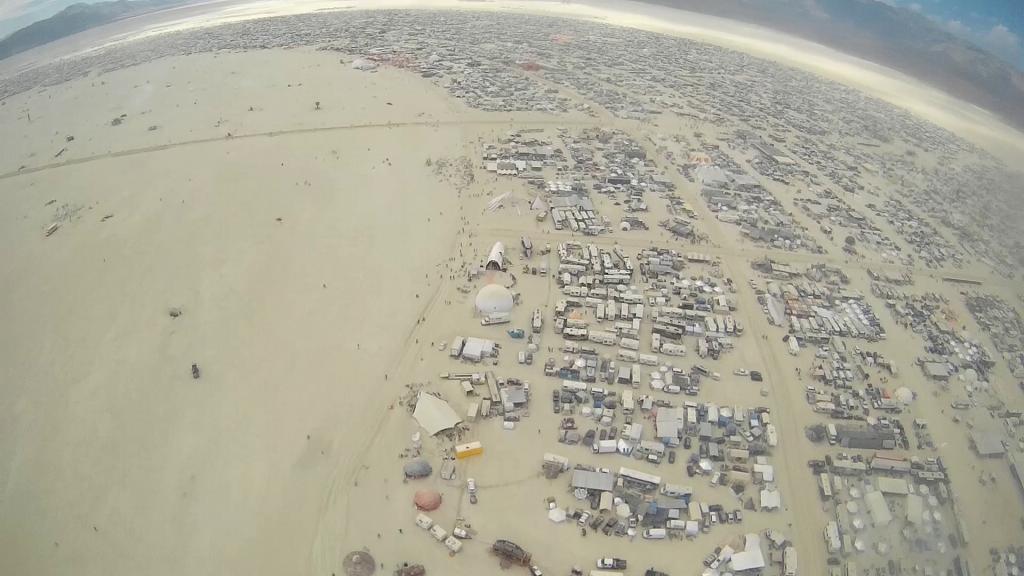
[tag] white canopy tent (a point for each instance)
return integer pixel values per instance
(434, 414)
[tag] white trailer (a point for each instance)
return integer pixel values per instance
(575, 333)
(629, 343)
(641, 477)
(628, 404)
(602, 337)
(794, 346)
(672, 349)
(574, 386)
(627, 355)
(647, 359)
(789, 561)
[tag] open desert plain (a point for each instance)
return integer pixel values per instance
(500, 288)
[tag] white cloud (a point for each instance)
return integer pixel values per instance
(957, 27)
(914, 6)
(998, 40)
(1002, 41)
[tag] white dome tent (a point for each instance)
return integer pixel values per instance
(494, 299)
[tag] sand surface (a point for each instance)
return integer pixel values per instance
(114, 459)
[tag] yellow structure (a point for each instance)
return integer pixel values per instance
(469, 449)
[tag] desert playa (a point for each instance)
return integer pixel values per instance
(240, 255)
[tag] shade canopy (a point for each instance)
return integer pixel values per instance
(434, 414)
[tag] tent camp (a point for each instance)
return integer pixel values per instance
(434, 414)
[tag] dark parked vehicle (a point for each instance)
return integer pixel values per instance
(756, 376)
(588, 438)
(671, 456)
(687, 442)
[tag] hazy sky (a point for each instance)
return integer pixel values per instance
(16, 14)
(996, 25)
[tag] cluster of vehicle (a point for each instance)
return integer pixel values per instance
(754, 375)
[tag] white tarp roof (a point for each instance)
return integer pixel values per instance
(770, 499)
(751, 557)
(767, 471)
(434, 414)
(557, 515)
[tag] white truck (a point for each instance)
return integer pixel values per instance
(538, 321)
(456, 349)
(492, 319)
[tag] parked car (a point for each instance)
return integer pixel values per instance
(588, 438)
(471, 484)
(756, 376)
(611, 563)
(671, 456)
(687, 442)
(741, 372)
(535, 571)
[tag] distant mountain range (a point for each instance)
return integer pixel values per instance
(74, 19)
(894, 37)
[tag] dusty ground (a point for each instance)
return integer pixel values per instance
(284, 454)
